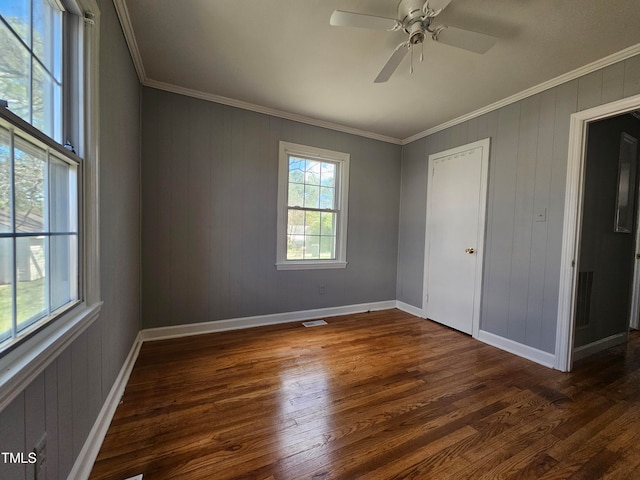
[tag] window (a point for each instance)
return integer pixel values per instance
(49, 215)
(312, 207)
(31, 62)
(38, 232)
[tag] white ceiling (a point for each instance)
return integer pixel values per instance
(283, 57)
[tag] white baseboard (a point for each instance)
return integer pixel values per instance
(176, 331)
(87, 456)
(598, 345)
(530, 353)
(405, 307)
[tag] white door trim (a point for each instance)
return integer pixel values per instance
(635, 286)
(484, 176)
(573, 221)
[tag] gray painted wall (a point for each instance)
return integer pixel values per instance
(209, 183)
(65, 399)
(527, 173)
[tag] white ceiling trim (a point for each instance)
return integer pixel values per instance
(125, 21)
(130, 38)
(567, 77)
(267, 110)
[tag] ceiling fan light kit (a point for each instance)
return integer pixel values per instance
(415, 18)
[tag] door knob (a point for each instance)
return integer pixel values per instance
(470, 250)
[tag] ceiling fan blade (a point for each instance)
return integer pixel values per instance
(361, 20)
(465, 39)
(392, 64)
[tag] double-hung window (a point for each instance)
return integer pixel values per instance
(47, 97)
(312, 207)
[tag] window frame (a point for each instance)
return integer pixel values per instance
(342, 160)
(22, 364)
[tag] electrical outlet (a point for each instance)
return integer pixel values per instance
(40, 449)
(322, 290)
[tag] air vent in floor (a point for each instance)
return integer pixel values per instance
(314, 323)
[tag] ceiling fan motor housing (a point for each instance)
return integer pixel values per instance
(412, 17)
(416, 33)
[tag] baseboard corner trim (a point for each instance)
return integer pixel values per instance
(530, 353)
(410, 309)
(89, 452)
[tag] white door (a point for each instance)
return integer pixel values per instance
(456, 205)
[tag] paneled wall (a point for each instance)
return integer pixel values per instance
(527, 175)
(209, 192)
(65, 399)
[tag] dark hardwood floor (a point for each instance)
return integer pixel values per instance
(380, 395)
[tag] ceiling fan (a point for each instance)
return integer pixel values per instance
(415, 17)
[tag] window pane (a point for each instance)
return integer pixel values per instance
(328, 224)
(31, 276)
(296, 195)
(30, 170)
(17, 14)
(311, 196)
(328, 175)
(6, 281)
(64, 270)
(327, 197)
(47, 35)
(46, 102)
(5, 182)
(312, 223)
(296, 169)
(328, 248)
(295, 234)
(14, 73)
(62, 196)
(312, 173)
(311, 247)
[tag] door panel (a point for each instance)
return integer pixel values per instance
(455, 233)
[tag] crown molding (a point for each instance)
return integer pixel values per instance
(567, 77)
(268, 111)
(127, 28)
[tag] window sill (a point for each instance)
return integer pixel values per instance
(316, 265)
(24, 363)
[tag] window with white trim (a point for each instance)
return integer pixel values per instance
(312, 207)
(44, 45)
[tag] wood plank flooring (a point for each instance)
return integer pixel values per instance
(380, 395)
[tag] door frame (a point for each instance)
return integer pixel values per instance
(634, 312)
(484, 177)
(573, 206)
